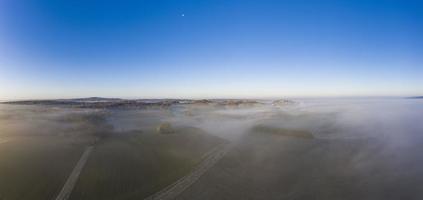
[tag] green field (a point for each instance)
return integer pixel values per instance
(40, 146)
(137, 164)
(36, 167)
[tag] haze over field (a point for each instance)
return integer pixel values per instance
(320, 148)
(211, 99)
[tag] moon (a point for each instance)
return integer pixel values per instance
(183, 15)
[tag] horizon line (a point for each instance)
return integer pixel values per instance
(199, 98)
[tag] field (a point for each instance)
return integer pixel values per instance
(346, 150)
(278, 166)
(40, 146)
(36, 167)
(138, 164)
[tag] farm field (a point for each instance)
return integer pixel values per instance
(211, 152)
(282, 165)
(139, 163)
(40, 146)
(36, 167)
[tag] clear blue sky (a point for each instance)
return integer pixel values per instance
(215, 48)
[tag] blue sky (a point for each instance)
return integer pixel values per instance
(216, 48)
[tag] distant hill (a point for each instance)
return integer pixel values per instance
(416, 97)
(95, 99)
(102, 103)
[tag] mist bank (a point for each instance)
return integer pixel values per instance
(395, 119)
(320, 149)
(360, 148)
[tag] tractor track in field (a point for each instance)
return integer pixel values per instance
(208, 161)
(73, 177)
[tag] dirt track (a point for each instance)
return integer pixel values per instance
(73, 178)
(209, 160)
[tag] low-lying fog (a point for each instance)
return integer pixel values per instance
(396, 119)
(385, 134)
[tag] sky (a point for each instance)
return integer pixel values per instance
(210, 48)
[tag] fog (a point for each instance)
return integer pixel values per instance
(360, 148)
(398, 120)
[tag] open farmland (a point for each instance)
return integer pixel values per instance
(41, 145)
(204, 150)
(36, 167)
(269, 166)
(141, 163)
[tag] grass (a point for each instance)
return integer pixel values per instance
(43, 146)
(35, 168)
(262, 129)
(139, 164)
